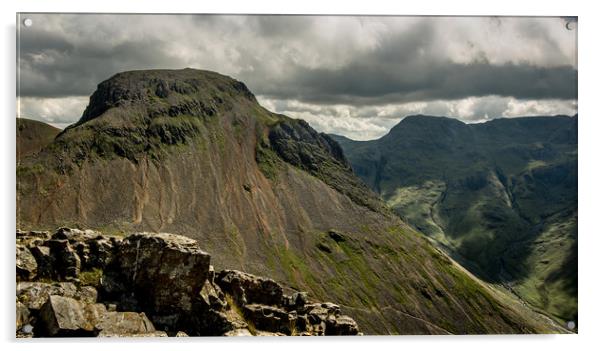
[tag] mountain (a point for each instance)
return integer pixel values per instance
(32, 136)
(191, 152)
(500, 196)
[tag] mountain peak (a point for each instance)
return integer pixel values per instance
(171, 92)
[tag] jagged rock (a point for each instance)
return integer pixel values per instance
(63, 316)
(87, 294)
(212, 296)
(211, 322)
(32, 238)
(100, 252)
(165, 272)
(167, 278)
(341, 325)
(155, 334)
(34, 294)
(124, 324)
(238, 332)
(23, 315)
(246, 288)
(74, 235)
(67, 263)
(266, 333)
(44, 261)
(26, 264)
(269, 318)
(296, 301)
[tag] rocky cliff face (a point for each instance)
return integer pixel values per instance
(82, 283)
(191, 152)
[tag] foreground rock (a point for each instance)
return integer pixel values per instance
(152, 285)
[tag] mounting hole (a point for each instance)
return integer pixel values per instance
(28, 22)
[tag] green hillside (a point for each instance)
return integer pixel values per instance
(500, 197)
(191, 152)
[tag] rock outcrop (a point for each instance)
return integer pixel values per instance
(152, 285)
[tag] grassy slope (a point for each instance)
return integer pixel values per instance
(226, 183)
(32, 136)
(500, 194)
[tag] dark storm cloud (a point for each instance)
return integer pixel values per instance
(379, 83)
(403, 65)
(350, 75)
(408, 67)
(51, 66)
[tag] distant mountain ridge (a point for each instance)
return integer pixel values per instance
(33, 135)
(192, 152)
(502, 195)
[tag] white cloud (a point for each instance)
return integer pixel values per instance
(366, 123)
(58, 112)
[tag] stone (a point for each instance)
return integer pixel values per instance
(74, 235)
(67, 263)
(155, 334)
(266, 333)
(34, 294)
(269, 318)
(63, 316)
(239, 332)
(32, 238)
(26, 264)
(341, 325)
(100, 252)
(181, 334)
(44, 261)
(247, 289)
(23, 315)
(124, 324)
(87, 294)
(165, 272)
(212, 297)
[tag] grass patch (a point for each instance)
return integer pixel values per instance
(91, 278)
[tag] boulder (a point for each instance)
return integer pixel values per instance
(296, 301)
(100, 252)
(26, 264)
(75, 235)
(23, 315)
(269, 318)
(238, 332)
(341, 325)
(34, 294)
(32, 238)
(155, 334)
(212, 297)
(63, 316)
(165, 272)
(249, 289)
(124, 324)
(67, 263)
(44, 261)
(86, 294)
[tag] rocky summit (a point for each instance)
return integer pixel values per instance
(193, 153)
(75, 283)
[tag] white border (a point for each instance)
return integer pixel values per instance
(590, 195)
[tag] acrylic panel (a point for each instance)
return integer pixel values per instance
(285, 175)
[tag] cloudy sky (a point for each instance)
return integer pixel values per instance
(355, 76)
